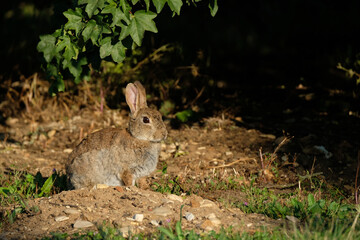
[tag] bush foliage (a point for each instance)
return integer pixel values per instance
(101, 30)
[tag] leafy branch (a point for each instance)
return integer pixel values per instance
(99, 30)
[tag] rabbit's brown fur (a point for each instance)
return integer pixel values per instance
(118, 157)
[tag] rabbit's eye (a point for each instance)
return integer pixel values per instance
(146, 120)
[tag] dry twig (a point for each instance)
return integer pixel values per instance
(232, 163)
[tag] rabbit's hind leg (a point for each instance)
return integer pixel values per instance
(128, 178)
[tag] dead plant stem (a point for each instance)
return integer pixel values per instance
(356, 179)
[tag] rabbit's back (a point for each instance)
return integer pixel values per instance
(102, 139)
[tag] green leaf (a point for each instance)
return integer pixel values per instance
(106, 47)
(178, 230)
(175, 5)
(134, 1)
(52, 71)
(213, 7)
(167, 107)
(74, 20)
(125, 6)
(159, 4)
(46, 188)
(117, 14)
(125, 31)
(118, 52)
(56, 86)
(311, 200)
(184, 115)
(147, 3)
(167, 232)
(47, 47)
(71, 51)
(140, 22)
(333, 208)
(92, 6)
(92, 31)
(75, 68)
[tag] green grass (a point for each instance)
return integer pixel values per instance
(18, 186)
(323, 212)
(316, 198)
(310, 230)
(300, 205)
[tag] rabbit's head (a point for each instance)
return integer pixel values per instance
(145, 123)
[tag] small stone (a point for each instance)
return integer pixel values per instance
(162, 211)
(138, 217)
(293, 219)
(175, 197)
(249, 224)
(239, 119)
(82, 224)
(207, 225)
(11, 121)
(51, 133)
(189, 216)
(125, 231)
(119, 189)
(71, 211)
(269, 136)
(207, 203)
(101, 186)
(154, 222)
(42, 138)
(194, 203)
(67, 150)
(214, 219)
(228, 153)
(61, 218)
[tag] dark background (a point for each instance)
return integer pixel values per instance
(257, 53)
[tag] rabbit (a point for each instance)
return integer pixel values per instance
(117, 157)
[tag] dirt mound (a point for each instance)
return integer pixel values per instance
(131, 209)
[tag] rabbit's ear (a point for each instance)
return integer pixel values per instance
(131, 95)
(142, 94)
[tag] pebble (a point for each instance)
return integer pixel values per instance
(67, 150)
(138, 217)
(42, 138)
(71, 211)
(101, 186)
(61, 218)
(119, 189)
(207, 203)
(154, 222)
(189, 216)
(82, 224)
(293, 219)
(269, 136)
(207, 225)
(51, 133)
(125, 231)
(214, 220)
(175, 197)
(162, 211)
